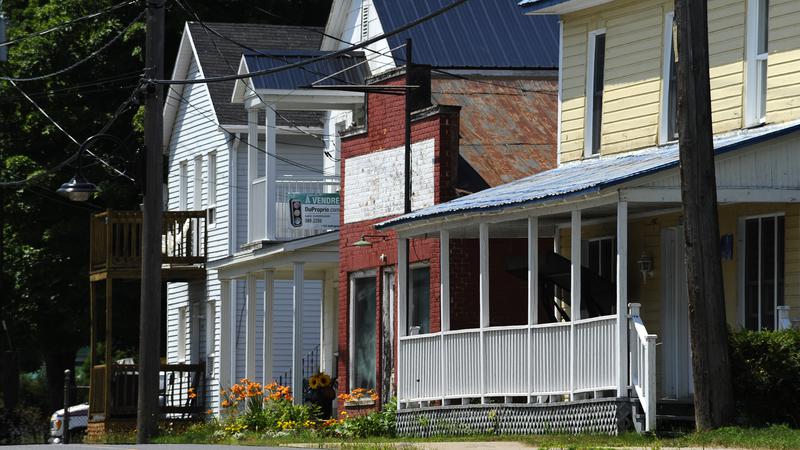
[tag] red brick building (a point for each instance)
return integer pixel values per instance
(472, 142)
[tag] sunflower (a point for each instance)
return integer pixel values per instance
(324, 380)
(313, 382)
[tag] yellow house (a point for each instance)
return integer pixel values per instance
(600, 338)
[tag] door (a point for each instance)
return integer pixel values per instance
(676, 367)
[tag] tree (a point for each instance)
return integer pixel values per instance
(44, 282)
(713, 394)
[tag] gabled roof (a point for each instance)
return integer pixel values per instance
(216, 57)
(479, 34)
(349, 69)
(584, 177)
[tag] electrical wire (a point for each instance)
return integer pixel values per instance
(273, 155)
(82, 61)
(400, 59)
(317, 58)
(67, 23)
(120, 110)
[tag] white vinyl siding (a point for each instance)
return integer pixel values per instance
(282, 326)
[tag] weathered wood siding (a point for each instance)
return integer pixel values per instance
(634, 67)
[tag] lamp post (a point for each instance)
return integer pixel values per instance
(78, 188)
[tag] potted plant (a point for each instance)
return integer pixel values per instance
(321, 392)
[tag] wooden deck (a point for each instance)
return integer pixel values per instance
(116, 245)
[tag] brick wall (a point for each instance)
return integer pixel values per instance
(372, 166)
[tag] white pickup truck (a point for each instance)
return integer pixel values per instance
(78, 421)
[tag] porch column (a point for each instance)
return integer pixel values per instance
(252, 173)
(444, 276)
(402, 305)
(622, 299)
(297, 332)
(329, 324)
(250, 329)
(271, 173)
(269, 301)
(533, 292)
(225, 341)
(483, 238)
(575, 293)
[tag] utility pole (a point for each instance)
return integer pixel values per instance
(150, 306)
(713, 393)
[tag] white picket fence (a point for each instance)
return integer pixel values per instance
(513, 361)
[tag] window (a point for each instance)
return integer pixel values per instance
(197, 188)
(211, 325)
(363, 345)
(757, 52)
(212, 187)
(669, 83)
(181, 344)
(365, 5)
(419, 300)
(600, 257)
(594, 91)
(763, 258)
(183, 186)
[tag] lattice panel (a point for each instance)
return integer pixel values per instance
(591, 416)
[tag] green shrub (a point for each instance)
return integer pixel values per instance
(380, 423)
(765, 368)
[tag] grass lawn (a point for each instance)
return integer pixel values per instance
(775, 437)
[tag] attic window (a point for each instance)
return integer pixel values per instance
(365, 5)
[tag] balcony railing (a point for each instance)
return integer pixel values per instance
(287, 186)
(117, 239)
(180, 392)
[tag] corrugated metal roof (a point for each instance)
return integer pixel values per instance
(585, 177)
(505, 133)
(476, 34)
(209, 47)
(305, 75)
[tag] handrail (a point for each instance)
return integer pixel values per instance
(643, 365)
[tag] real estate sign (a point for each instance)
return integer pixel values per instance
(314, 211)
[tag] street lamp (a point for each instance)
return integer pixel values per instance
(79, 189)
(363, 242)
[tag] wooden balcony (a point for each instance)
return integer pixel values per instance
(116, 245)
(114, 391)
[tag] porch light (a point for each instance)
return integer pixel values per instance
(79, 189)
(645, 263)
(363, 242)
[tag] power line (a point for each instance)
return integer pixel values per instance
(317, 58)
(401, 59)
(67, 23)
(78, 63)
(278, 157)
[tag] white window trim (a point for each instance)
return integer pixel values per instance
(211, 187)
(611, 237)
(211, 335)
(589, 95)
(350, 326)
(181, 338)
(740, 242)
(183, 186)
(751, 97)
(414, 266)
(197, 185)
(666, 63)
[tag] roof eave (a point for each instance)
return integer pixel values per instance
(558, 7)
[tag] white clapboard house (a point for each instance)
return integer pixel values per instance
(240, 163)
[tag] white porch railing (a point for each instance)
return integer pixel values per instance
(643, 365)
(447, 365)
(292, 185)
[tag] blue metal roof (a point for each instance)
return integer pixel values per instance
(476, 34)
(585, 177)
(306, 75)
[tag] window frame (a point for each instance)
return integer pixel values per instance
(755, 83)
(410, 296)
(667, 60)
(183, 185)
(741, 269)
(591, 66)
(197, 183)
(372, 273)
(211, 188)
(585, 258)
